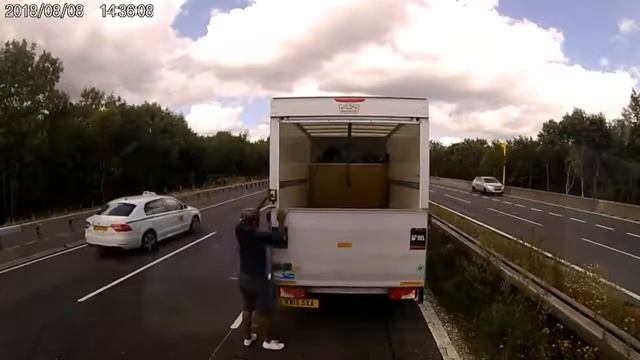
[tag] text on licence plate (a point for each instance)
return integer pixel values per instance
(99, 228)
(305, 303)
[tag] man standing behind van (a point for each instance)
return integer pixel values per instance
(257, 290)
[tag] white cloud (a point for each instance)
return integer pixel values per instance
(260, 131)
(604, 62)
(448, 140)
(208, 119)
(626, 26)
(486, 74)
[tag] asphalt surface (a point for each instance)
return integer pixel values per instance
(577, 236)
(181, 305)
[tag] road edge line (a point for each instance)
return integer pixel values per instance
(41, 256)
(61, 250)
(439, 334)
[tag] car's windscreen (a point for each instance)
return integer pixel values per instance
(489, 180)
(118, 209)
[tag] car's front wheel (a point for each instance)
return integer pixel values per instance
(195, 224)
(149, 241)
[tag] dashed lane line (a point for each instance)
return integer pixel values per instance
(534, 209)
(116, 282)
(554, 214)
(578, 220)
(236, 324)
(605, 227)
(520, 206)
(611, 248)
(515, 217)
(634, 235)
(457, 198)
(508, 203)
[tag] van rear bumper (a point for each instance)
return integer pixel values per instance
(348, 290)
(309, 292)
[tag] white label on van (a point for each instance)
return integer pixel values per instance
(349, 108)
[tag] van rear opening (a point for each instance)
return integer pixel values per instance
(349, 166)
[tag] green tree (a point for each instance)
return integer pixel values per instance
(27, 96)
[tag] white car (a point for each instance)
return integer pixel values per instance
(487, 185)
(140, 221)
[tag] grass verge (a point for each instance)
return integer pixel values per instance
(494, 318)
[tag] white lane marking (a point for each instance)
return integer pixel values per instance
(431, 191)
(578, 220)
(89, 296)
(604, 227)
(534, 209)
(230, 201)
(508, 203)
(515, 217)
(485, 197)
(234, 278)
(42, 258)
(236, 324)
(220, 345)
(554, 214)
(612, 249)
(520, 206)
(476, 195)
(632, 234)
(457, 198)
(443, 342)
(496, 200)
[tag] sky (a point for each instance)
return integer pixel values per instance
(490, 68)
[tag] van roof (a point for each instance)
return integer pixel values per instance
(368, 109)
(352, 96)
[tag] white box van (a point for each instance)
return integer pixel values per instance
(353, 172)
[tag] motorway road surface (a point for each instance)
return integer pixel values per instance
(180, 303)
(579, 237)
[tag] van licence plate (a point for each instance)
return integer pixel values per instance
(303, 303)
(99, 228)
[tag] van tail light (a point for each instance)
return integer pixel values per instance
(293, 292)
(121, 227)
(402, 293)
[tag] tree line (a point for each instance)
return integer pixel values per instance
(581, 154)
(58, 153)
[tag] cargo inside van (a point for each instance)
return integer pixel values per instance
(349, 165)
